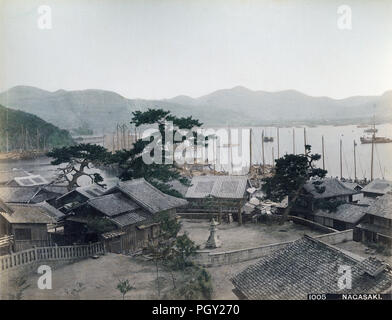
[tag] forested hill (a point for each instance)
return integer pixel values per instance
(27, 132)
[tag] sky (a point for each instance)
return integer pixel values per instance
(163, 48)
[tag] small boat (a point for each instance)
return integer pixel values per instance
(362, 126)
(268, 139)
(365, 140)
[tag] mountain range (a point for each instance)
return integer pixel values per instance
(101, 110)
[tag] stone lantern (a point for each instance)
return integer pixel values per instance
(213, 240)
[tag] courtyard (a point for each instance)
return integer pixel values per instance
(248, 235)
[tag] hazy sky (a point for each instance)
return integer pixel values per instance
(164, 48)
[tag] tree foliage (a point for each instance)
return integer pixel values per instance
(124, 287)
(291, 173)
(130, 162)
(74, 161)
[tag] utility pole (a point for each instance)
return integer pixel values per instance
(305, 143)
(355, 163)
(323, 151)
(273, 157)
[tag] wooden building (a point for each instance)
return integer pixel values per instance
(27, 223)
(216, 194)
(318, 194)
(376, 226)
(376, 188)
(124, 217)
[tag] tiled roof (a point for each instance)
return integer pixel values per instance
(147, 196)
(32, 194)
(18, 194)
(309, 266)
(51, 211)
(347, 212)
(332, 187)
(231, 187)
(27, 213)
(120, 209)
(113, 204)
(378, 186)
(129, 218)
(381, 207)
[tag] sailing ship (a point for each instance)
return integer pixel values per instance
(376, 139)
(371, 130)
(373, 138)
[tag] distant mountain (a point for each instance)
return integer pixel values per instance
(27, 131)
(101, 110)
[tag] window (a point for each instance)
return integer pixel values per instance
(22, 234)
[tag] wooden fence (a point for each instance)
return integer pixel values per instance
(49, 253)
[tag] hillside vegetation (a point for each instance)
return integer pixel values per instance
(27, 131)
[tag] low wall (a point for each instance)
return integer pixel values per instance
(311, 224)
(336, 237)
(211, 259)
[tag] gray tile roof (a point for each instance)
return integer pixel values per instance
(381, 207)
(228, 187)
(349, 213)
(333, 187)
(51, 211)
(18, 194)
(27, 213)
(147, 196)
(378, 186)
(32, 194)
(309, 266)
(113, 204)
(129, 218)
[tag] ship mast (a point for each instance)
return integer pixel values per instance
(355, 162)
(250, 149)
(277, 135)
(372, 158)
(293, 140)
(341, 164)
(323, 151)
(262, 148)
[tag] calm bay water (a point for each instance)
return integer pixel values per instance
(332, 136)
